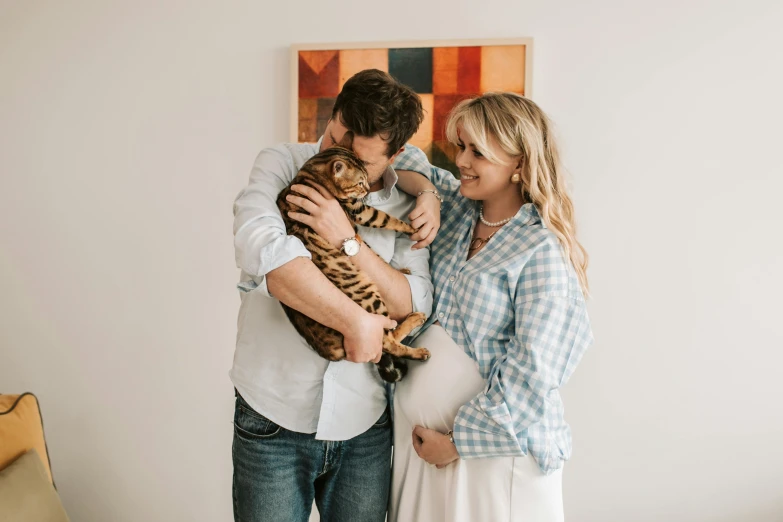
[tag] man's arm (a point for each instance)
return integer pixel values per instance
(417, 262)
(328, 219)
(391, 283)
(298, 285)
(280, 264)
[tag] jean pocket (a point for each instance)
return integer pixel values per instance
(384, 420)
(251, 425)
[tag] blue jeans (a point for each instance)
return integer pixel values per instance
(278, 473)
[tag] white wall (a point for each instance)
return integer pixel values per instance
(126, 130)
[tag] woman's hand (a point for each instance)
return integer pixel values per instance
(324, 213)
(434, 447)
(425, 218)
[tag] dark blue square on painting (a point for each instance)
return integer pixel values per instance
(413, 67)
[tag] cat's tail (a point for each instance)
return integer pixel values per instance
(392, 369)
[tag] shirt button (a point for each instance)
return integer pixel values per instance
(441, 315)
(452, 279)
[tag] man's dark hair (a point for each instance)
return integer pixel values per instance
(372, 102)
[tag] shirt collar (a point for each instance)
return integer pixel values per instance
(527, 215)
(389, 182)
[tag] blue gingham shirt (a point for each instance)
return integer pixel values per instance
(517, 309)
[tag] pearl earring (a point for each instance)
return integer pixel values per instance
(515, 178)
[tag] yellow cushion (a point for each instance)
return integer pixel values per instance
(21, 429)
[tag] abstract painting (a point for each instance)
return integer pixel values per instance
(442, 73)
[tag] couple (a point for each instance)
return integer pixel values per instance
(478, 430)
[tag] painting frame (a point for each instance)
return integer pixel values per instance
(347, 48)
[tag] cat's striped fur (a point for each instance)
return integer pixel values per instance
(342, 173)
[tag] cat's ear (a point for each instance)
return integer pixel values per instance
(339, 168)
(347, 141)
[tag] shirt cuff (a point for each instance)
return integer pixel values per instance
(480, 434)
(274, 255)
(421, 297)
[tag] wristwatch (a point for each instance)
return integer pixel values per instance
(351, 246)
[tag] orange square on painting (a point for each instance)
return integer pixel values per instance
(318, 74)
(445, 67)
(308, 131)
(355, 60)
(308, 118)
(308, 109)
(423, 137)
(503, 68)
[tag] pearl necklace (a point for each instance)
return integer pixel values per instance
(495, 224)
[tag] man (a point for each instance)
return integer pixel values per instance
(307, 429)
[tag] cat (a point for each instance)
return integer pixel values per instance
(342, 173)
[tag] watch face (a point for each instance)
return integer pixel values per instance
(351, 247)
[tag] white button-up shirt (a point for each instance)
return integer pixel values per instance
(274, 369)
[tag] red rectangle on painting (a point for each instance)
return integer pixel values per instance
(319, 73)
(442, 106)
(469, 72)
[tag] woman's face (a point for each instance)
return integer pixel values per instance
(481, 179)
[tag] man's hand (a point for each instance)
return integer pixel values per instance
(363, 341)
(326, 217)
(434, 447)
(425, 218)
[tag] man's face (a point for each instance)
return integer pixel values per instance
(372, 151)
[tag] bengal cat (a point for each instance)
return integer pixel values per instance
(343, 174)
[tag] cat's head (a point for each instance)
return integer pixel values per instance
(344, 173)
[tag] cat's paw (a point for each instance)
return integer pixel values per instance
(416, 319)
(420, 354)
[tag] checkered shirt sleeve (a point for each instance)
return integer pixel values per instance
(552, 332)
(414, 159)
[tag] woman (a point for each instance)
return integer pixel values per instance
(479, 429)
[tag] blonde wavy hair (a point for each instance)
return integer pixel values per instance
(521, 128)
